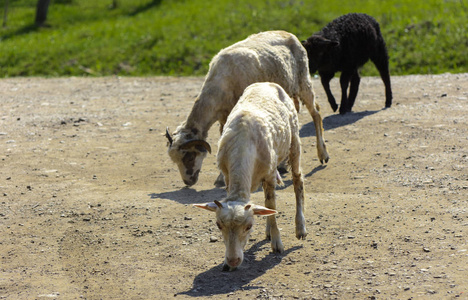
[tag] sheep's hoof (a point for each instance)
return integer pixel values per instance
(326, 161)
(301, 234)
(344, 110)
(219, 182)
(227, 268)
(277, 247)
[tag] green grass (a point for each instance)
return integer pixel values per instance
(177, 37)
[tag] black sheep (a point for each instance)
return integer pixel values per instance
(346, 44)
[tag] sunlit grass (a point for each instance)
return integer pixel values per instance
(177, 37)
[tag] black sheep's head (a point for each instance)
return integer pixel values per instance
(317, 47)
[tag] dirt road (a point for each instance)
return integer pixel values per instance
(91, 206)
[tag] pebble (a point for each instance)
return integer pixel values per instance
(213, 239)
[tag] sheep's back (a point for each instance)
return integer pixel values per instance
(272, 56)
(262, 119)
(358, 35)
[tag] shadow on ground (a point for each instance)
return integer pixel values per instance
(189, 195)
(216, 282)
(335, 121)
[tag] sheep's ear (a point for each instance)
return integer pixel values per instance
(211, 206)
(200, 145)
(168, 136)
(261, 210)
(320, 41)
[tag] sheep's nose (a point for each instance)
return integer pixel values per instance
(189, 183)
(193, 179)
(234, 262)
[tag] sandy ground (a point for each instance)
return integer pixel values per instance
(91, 206)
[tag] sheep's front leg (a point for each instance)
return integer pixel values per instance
(272, 228)
(325, 79)
(298, 183)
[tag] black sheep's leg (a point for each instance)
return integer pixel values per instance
(344, 82)
(388, 88)
(353, 89)
(325, 78)
(381, 62)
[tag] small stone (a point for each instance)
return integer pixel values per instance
(213, 239)
(425, 249)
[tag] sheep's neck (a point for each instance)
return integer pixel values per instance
(240, 173)
(214, 103)
(204, 114)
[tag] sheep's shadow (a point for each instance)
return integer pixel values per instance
(289, 182)
(335, 121)
(216, 282)
(188, 195)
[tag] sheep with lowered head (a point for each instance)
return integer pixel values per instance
(346, 44)
(272, 56)
(261, 131)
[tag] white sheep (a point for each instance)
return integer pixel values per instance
(274, 56)
(261, 131)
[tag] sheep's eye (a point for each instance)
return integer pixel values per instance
(219, 225)
(189, 157)
(248, 227)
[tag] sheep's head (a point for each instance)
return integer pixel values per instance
(317, 46)
(235, 220)
(188, 153)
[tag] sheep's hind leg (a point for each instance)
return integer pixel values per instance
(344, 83)
(220, 182)
(385, 75)
(298, 183)
(272, 227)
(381, 62)
(313, 108)
(353, 89)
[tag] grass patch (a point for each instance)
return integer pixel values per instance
(179, 37)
